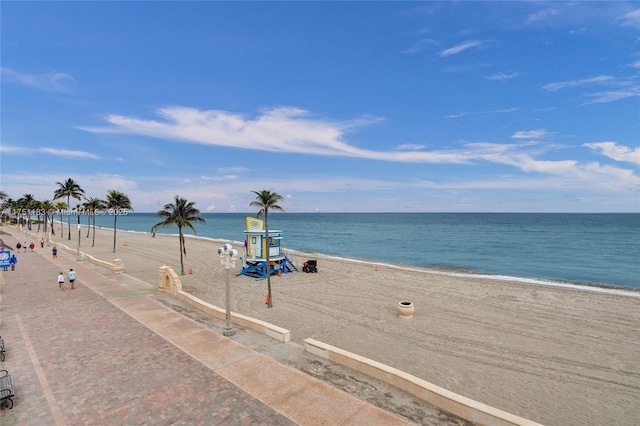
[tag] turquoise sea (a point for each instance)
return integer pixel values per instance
(594, 249)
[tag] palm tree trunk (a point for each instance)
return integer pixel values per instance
(115, 219)
(68, 217)
(266, 227)
(181, 251)
(93, 243)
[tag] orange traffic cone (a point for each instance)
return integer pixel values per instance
(279, 273)
(190, 271)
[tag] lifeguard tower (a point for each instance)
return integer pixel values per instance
(254, 261)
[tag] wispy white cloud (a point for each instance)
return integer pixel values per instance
(530, 134)
(410, 147)
(290, 130)
(616, 152)
(612, 95)
(630, 19)
(601, 79)
(420, 45)
(12, 149)
(517, 155)
(495, 111)
(458, 115)
(461, 47)
(624, 88)
(501, 76)
(542, 15)
(52, 82)
(274, 129)
(67, 153)
(220, 177)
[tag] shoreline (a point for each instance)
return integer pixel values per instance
(585, 286)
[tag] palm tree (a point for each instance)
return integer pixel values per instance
(4, 198)
(27, 203)
(6, 205)
(47, 207)
(265, 201)
(182, 213)
(37, 206)
(93, 205)
(117, 201)
(68, 189)
(60, 206)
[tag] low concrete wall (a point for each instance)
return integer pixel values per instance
(466, 408)
(116, 267)
(169, 282)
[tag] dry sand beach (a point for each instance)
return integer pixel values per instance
(556, 356)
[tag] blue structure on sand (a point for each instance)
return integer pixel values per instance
(254, 262)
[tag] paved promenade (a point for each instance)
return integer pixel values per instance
(107, 354)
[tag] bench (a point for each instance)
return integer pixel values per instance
(6, 390)
(2, 348)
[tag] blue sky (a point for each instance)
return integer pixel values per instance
(337, 106)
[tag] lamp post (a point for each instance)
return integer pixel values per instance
(228, 258)
(78, 246)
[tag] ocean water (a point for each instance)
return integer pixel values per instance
(593, 249)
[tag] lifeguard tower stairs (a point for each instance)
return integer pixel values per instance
(254, 262)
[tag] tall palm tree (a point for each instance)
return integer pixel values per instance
(37, 206)
(68, 188)
(27, 203)
(47, 208)
(18, 209)
(93, 205)
(6, 204)
(182, 213)
(14, 208)
(60, 206)
(265, 201)
(117, 201)
(4, 198)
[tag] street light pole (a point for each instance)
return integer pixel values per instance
(228, 259)
(78, 246)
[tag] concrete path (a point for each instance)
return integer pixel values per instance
(108, 354)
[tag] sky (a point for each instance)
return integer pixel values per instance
(336, 106)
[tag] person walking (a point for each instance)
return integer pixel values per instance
(24, 246)
(61, 281)
(41, 242)
(72, 277)
(54, 251)
(13, 261)
(32, 246)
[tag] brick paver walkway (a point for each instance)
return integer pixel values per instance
(105, 354)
